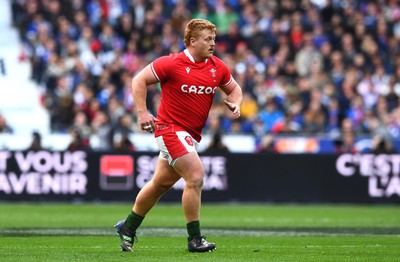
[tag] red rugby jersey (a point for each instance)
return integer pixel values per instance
(187, 90)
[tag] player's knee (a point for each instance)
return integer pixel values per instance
(195, 181)
(163, 187)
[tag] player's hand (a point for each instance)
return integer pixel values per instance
(147, 122)
(234, 108)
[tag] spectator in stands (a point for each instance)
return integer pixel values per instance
(392, 98)
(107, 91)
(271, 114)
(307, 56)
(225, 15)
(380, 145)
(249, 109)
(36, 143)
(286, 125)
(109, 40)
(102, 131)
(216, 146)
(356, 112)
(334, 116)
(381, 80)
(346, 144)
(267, 145)
(4, 127)
(92, 108)
(314, 118)
(123, 144)
(366, 89)
(78, 141)
(122, 130)
(394, 123)
(258, 129)
(81, 125)
(213, 123)
(346, 126)
(203, 11)
(130, 57)
(378, 128)
(381, 109)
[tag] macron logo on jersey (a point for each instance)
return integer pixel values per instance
(187, 70)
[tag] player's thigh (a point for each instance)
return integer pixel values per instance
(165, 175)
(190, 167)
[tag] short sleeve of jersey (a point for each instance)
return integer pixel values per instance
(161, 67)
(226, 73)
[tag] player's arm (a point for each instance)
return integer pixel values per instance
(234, 97)
(139, 92)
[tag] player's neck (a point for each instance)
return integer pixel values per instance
(193, 57)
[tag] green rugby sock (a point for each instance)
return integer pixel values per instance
(193, 228)
(133, 221)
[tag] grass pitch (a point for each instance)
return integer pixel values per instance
(242, 232)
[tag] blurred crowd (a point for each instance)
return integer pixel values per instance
(306, 67)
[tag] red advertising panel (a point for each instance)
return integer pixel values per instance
(116, 172)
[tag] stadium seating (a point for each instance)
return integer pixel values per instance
(20, 97)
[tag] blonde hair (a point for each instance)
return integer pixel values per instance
(194, 27)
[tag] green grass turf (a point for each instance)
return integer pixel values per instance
(86, 248)
(243, 232)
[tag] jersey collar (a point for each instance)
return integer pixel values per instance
(191, 57)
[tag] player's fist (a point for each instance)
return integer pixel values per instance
(234, 108)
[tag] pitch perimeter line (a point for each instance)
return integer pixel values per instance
(178, 232)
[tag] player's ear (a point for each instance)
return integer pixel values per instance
(192, 41)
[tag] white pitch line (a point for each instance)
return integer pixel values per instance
(178, 232)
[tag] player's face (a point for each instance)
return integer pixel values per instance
(205, 44)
